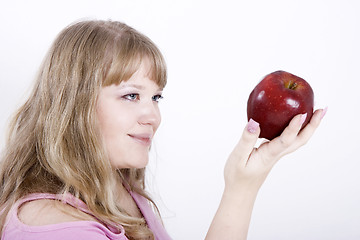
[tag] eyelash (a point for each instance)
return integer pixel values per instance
(136, 97)
(131, 97)
(157, 97)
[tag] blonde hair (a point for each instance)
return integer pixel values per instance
(54, 144)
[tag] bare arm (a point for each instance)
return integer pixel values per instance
(246, 170)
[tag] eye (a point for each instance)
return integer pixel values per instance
(157, 98)
(131, 97)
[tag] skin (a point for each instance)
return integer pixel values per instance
(129, 116)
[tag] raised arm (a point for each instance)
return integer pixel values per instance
(246, 170)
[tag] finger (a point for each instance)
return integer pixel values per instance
(247, 142)
(310, 128)
(287, 137)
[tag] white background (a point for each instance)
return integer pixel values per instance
(217, 51)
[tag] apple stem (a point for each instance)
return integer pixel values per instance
(292, 85)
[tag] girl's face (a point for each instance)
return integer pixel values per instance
(129, 116)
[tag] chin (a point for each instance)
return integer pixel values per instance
(136, 163)
(133, 159)
(140, 165)
(140, 161)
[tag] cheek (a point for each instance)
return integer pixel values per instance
(113, 136)
(107, 123)
(158, 122)
(112, 117)
(113, 126)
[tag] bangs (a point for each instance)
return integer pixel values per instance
(127, 57)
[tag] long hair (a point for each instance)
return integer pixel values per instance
(54, 144)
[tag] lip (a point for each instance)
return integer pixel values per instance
(143, 139)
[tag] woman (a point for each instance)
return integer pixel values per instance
(75, 158)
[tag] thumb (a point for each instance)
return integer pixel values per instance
(247, 142)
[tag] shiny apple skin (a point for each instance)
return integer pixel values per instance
(276, 100)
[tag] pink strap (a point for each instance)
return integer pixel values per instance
(65, 198)
(152, 220)
(68, 199)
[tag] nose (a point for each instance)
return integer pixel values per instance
(150, 114)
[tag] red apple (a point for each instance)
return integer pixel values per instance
(277, 99)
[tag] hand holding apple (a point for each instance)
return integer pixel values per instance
(277, 99)
(273, 103)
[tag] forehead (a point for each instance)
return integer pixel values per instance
(145, 67)
(144, 71)
(142, 78)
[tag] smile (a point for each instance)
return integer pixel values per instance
(143, 139)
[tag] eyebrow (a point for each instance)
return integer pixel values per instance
(140, 87)
(131, 85)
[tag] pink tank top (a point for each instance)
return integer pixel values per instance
(14, 229)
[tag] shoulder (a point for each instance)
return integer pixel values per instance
(54, 219)
(46, 211)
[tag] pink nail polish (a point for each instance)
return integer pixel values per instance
(252, 126)
(324, 112)
(303, 118)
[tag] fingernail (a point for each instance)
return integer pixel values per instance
(252, 126)
(303, 118)
(324, 111)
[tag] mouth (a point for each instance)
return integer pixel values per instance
(143, 139)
